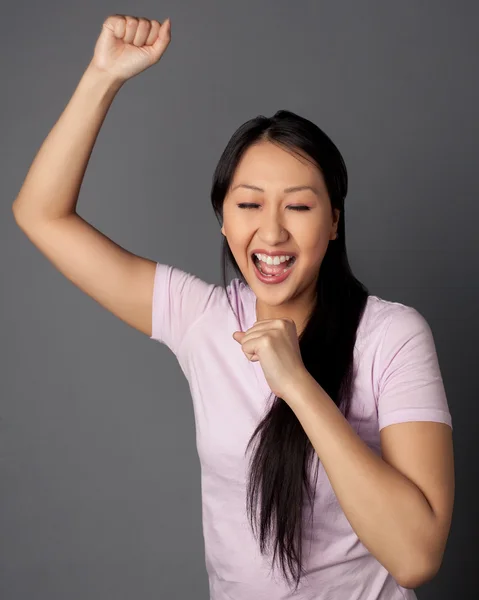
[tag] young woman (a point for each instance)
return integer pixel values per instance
(323, 428)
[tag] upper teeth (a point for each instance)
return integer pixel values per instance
(273, 261)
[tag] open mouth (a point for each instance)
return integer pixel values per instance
(278, 269)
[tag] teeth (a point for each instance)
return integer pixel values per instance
(273, 261)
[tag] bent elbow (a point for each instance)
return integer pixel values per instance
(413, 577)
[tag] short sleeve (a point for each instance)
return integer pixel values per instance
(410, 383)
(179, 300)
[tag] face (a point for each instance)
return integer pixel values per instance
(297, 222)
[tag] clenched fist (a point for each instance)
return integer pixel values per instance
(129, 45)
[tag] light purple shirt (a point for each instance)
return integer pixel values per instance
(398, 379)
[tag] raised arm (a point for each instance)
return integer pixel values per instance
(45, 208)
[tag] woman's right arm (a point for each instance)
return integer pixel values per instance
(45, 208)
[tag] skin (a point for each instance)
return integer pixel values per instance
(400, 502)
(274, 225)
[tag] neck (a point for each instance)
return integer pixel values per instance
(299, 314)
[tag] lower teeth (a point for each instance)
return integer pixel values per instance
(268, 274)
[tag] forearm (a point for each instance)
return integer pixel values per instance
(52, 185)
(388, 512)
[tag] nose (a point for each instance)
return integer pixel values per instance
(272, 230)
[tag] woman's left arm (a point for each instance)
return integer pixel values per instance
(400, 505)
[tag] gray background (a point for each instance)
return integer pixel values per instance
(100, 480)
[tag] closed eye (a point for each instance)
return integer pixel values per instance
(296, 207)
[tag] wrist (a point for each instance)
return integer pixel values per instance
(300, 386)
(98, 76)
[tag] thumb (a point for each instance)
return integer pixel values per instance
(163, 39)
(237, 335)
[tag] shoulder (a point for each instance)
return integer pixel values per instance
(388, 317)
(388, 327)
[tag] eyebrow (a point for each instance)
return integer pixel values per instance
(296, 188)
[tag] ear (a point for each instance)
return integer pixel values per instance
(337, 214)
(223, 230)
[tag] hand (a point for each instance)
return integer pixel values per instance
(274, 342)
(129, 45)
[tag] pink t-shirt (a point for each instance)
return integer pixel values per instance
(398, 379)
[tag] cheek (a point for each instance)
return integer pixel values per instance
(313, 242)
(236, 234)
(322, 231)
(238, 246)
(235, 229)
(314, 250)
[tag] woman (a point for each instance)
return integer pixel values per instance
(323, 428)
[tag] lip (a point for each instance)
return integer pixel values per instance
(271, 280)
(274, 253)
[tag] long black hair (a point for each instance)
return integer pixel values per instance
(280, 466)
